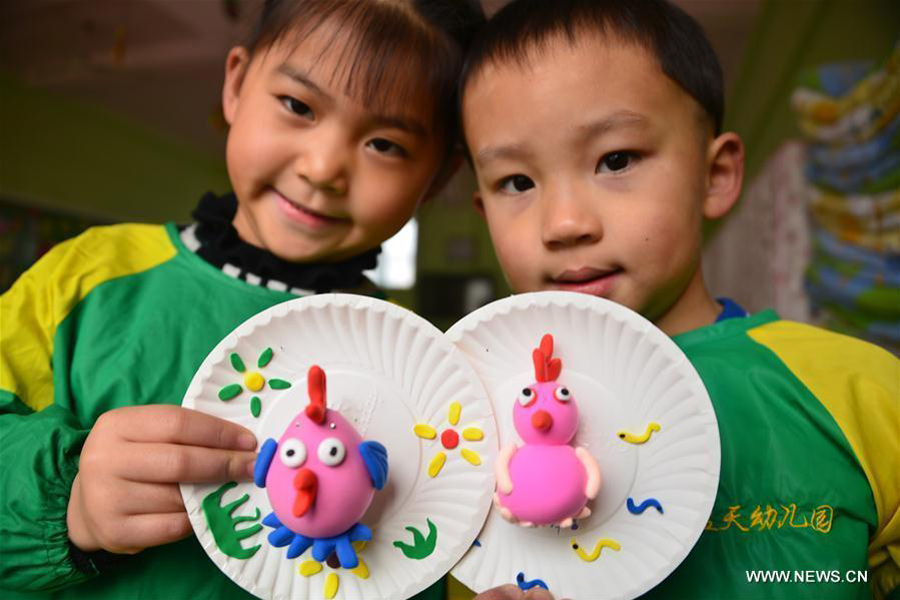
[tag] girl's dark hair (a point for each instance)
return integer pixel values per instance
(667, 32)
(425, 40)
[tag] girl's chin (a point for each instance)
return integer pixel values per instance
(307, 253)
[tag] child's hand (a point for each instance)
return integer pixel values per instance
(125, 496)
(513, 592)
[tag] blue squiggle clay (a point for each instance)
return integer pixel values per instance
(527, 585)
(636, 510)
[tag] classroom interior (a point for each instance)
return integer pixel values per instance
(110, 112)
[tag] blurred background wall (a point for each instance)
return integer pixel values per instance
(110, 112)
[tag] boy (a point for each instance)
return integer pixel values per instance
(594, 130)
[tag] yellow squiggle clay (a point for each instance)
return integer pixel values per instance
(601, 544)
(640, 439)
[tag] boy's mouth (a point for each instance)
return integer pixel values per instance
(587, 280)
(305, 216)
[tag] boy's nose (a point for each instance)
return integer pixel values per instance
(570, 219)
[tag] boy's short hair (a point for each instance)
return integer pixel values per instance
(671, 35)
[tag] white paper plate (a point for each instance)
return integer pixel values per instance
(624, 374)
(387, 371)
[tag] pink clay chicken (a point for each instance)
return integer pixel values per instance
(546, 481)
(320, 477)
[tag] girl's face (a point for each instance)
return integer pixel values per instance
(319, 175)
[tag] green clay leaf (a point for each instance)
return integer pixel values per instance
(255, 406)
(264, 358)
(222, 523)
(279, 384)
(421, 547)
(237, 363)
(230, 391)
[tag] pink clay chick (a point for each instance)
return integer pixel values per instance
(320, 477)
(546, 481)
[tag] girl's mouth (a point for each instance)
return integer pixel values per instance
(304, 216)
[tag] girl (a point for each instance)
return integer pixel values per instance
(341, 115)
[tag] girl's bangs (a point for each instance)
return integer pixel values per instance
(389, 59)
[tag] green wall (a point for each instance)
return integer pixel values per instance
(80, 158)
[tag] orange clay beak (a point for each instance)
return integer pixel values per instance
(541, 420)
(307, 484)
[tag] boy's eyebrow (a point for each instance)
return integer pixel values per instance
(616, 120)
(409, 124)
(508, 151)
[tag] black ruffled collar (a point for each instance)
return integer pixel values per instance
(221, 246)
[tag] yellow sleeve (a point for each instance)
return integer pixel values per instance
(458, 591)
(859, 384)
(32, 309)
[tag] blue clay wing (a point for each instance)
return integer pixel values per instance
(375, 457)
(263, 461)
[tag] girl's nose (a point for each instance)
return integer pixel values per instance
(570, 218)
(324, 161)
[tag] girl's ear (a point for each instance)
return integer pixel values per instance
(235, 69)
(725, 175)
(478, 202)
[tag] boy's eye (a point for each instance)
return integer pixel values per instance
(616, 161)
(383, 146)
(516, 184)
(297, 107)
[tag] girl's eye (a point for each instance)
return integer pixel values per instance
(292, 453)
(616, 161)
(297, 107)
(516, 184)
(527, 397)
(331, 452)
(383, 146)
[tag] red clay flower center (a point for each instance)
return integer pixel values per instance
(450, 439)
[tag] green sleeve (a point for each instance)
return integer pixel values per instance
(40, 441)
(38, 462)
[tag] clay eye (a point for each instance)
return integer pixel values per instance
(331, 452)
(527, 397)
(292, 453)
(562, 394)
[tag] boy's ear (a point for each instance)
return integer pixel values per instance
(478, 203)
(235, 70)
(725, 175)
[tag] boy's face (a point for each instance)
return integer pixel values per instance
(320, 176)
(592, 174)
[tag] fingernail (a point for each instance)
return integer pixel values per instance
(251, 469)
(247, 441)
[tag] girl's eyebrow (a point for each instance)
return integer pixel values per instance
(301, 78)
(409, 124)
